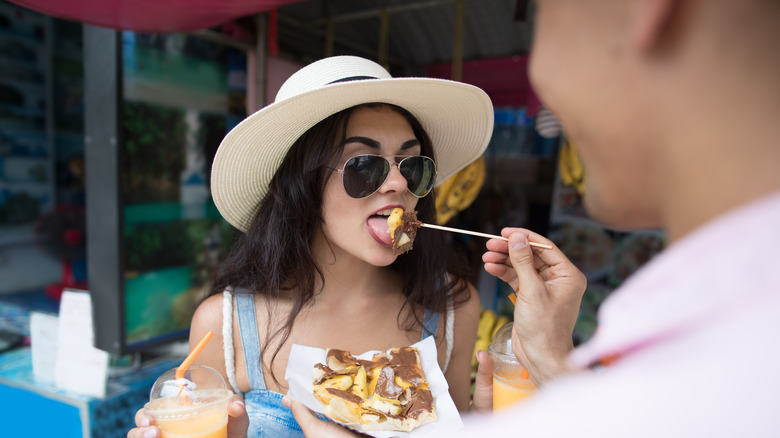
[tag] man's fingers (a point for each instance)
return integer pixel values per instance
(499, 258)
(504, 272)
(496, 245)
(522, 259)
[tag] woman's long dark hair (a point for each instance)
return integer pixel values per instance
(274, 257)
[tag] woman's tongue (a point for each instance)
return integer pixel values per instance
(378, 225)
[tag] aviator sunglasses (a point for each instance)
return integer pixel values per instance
(363, 175)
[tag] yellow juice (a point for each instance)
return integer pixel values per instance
(204, 418)
(210, 425)
(506, 393)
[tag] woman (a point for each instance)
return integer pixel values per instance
(310, 179)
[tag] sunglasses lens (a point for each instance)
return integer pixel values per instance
(364, 174)
(420, 174)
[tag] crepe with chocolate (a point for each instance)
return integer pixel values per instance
(402, 227)
(388, 392)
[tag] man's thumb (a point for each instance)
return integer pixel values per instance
(521, 256)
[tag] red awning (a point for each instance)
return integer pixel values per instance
(154, 16)
(505, 80)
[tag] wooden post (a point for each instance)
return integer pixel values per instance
(384, 33)
(457, 43)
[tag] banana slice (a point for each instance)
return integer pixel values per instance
(339, 360)
(402, 227)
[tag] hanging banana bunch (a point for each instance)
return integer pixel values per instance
(570, 168)
(489, 323)
(457, 192)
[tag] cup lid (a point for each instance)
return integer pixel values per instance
(501, 347)
(197, 378)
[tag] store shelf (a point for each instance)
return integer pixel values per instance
(9, 62)
(36, 88)
(25, 111)
(20, 36)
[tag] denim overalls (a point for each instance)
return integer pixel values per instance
(268, 417)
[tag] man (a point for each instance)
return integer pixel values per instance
(674, 106)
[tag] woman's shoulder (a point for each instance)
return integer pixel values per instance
(467, 301)
(208, 317)
(209, 313)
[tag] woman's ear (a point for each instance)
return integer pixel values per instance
(650, 20)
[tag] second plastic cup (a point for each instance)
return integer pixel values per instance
(511, 382)
(192, 407)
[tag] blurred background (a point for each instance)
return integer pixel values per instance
(111, 112)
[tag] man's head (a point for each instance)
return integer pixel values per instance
(657, 96)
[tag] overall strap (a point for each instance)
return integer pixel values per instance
(430, 324)
(431, 319)
(245, 307)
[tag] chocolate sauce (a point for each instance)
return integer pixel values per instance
(385, 384)
(346, 395)
(422, 401)
(409, 374)
(342, 356)
(405, 357)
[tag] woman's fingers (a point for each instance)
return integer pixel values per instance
(141, 420)
(143, 428)
(311, 425)
(483, 385)
(238, 420)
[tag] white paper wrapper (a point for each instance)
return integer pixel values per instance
(299, 376)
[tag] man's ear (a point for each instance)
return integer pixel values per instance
(649, 21)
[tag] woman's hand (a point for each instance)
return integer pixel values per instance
(238, 422)
(143, 427)
(549, 291)
(483, 385)
(313, 426)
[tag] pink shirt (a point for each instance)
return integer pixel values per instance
(698, 334)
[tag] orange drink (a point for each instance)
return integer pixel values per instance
(511, 382)
(192, 406)
(205, 418)
(510, 391)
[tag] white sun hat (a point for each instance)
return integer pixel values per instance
(458, 118)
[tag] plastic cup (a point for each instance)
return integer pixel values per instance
(200, 413)
(511, 382)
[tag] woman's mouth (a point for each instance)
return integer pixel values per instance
(377, 226)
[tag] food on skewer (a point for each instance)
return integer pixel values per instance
(402, 226)
(388, 392)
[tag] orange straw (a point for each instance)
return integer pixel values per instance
(513, 298)
(187, 362)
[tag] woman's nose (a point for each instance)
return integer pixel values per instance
(395, 182)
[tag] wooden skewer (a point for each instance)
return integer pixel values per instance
(475, 233)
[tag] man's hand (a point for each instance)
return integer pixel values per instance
(549, 291)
